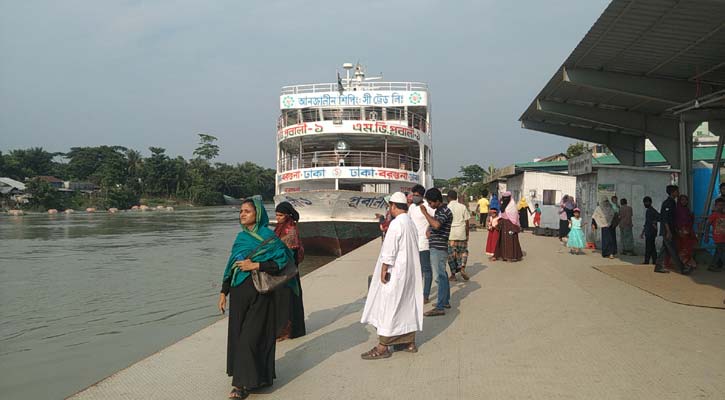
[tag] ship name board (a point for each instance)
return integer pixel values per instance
(372, 98)
(348, 172)
(373, 127)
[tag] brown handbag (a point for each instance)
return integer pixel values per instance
(265, 283)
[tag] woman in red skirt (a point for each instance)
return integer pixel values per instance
(493, 233)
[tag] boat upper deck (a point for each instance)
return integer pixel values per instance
(371, 86)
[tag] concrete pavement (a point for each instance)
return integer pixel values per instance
(549, 327)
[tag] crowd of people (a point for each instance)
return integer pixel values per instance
(425, 238)
(674, 222)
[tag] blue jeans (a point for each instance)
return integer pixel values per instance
(438, 260)
(427, 272)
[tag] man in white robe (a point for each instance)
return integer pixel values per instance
(394, 305)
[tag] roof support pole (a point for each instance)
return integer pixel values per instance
(713, 176)
(685, 147)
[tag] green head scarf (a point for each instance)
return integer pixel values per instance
(248, 241)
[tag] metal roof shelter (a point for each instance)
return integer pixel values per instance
(646, 69)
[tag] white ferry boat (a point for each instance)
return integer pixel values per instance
(343, 146)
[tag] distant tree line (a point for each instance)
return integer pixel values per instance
(124, 176)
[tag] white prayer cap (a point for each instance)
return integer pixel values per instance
(399, 197)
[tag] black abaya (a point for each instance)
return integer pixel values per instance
(251, 339)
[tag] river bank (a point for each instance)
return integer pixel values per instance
(88, 294)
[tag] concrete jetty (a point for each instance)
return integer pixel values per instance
(549, 327)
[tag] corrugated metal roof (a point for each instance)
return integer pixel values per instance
(674, 41)
(12, 183)
(652, 157)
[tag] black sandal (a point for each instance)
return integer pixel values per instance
(238, 393)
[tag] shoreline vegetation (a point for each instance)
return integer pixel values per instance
(119, 178)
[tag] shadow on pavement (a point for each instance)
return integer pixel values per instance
(312, 353)
(320, 319)
(434, 326)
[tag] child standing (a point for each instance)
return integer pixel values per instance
(717, 221)
(576, 234)
(493, 232)
(537, 215)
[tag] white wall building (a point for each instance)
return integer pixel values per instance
(545, 188)
(632, 183)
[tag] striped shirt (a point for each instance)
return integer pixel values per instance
(439, 237)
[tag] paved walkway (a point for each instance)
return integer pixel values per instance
(549, 327)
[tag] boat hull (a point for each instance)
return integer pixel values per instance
(335, 222)
(336, 238)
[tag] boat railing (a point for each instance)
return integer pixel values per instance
(410, 119)
(357, 86)
(376, 159)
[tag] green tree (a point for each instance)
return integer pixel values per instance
(121, 197)
(42, 195)
(27, 163)
(576, 149)
(440, 183)
(472, 173)
(207, 150)
(158, 174)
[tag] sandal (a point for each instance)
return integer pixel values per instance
(434, 313)
(238, 393)
(375, 354)
(411, 348)
(464, 274)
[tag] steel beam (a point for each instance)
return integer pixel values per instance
(645, 123)
(700, 116)
(664, 90)
(648, 125)
(628, 149)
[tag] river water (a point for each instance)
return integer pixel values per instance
(85, 295)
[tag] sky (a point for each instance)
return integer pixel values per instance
(157, 73)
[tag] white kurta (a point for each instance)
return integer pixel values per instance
(396, 308)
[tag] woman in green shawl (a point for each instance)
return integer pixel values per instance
(251, 335)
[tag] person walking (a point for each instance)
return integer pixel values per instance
(602, 220)
(494, 203)
(564, 217)
(288, 299)
(482, 208)
(614, 201)
(649, 231)
(493, 233)
(537, 215)
(524, 212)
(685, 239)
(252, 331)
(440, 231)
(508, 248)
(576, 242)
(458, 239)
(626, 214)
(422, 226)
(667, 231)
(716, 221)
(394, 305)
